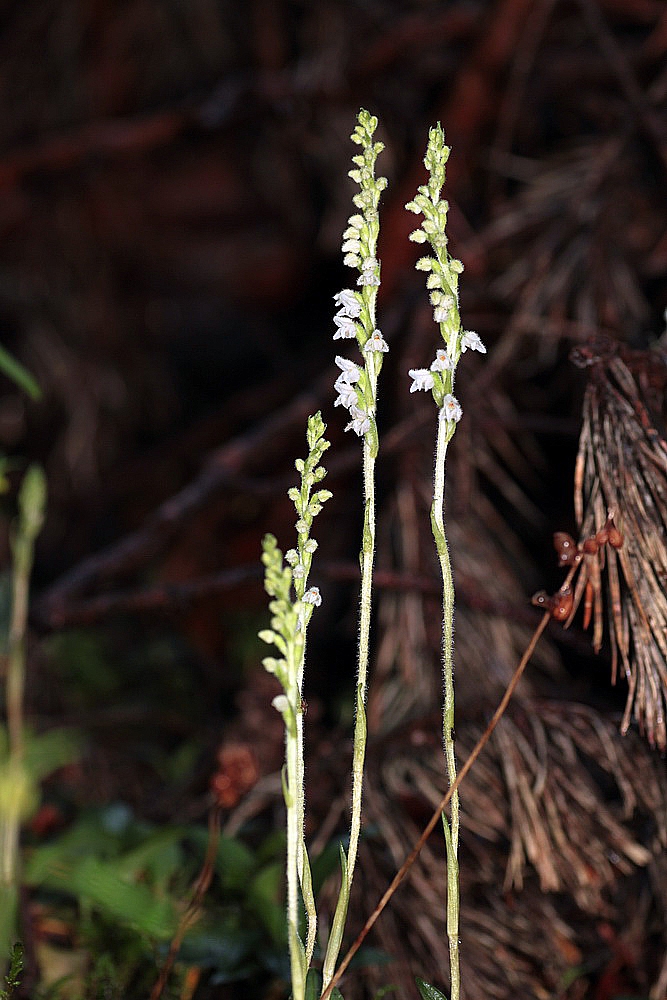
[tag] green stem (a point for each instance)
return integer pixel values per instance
(359, 751)
(16, 657)
(367, 557)
(294, 805)
(303, 863)
(451, 828)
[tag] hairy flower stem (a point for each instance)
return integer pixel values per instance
(451, 828)
(367, 557)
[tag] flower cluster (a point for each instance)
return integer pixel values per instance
(355, 319)
(291, 616)
(443, 285)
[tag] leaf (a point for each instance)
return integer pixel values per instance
(338, 923)
(327, 862)
(429, 992)
(98, 884)
(313, 985)
(234, 864)
(14, 370)
(263, 898)
(13, 977)
(48, 751)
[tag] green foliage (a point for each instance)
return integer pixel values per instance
(14, 370)
(428, 992)
(13, 976)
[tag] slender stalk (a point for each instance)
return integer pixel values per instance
(16, 791)
(367, 559)
(303, 862)
(451, 828)
(294, 804)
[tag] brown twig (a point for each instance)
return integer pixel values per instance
(199, 890)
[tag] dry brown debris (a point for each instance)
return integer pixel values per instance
(622, 468)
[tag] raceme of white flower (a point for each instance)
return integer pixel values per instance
(442, 283)
(357, 392)
(355, 318)
(292, 605)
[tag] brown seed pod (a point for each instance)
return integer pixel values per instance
(591, 546)
(566, 549)
(561, 604)
(541, 600)
(615, 538)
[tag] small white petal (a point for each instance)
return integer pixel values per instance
(312, 596)
(292, 557)
(310, 546)
(351, 260)
(367, 278)
(280, 703)
(351, 246)
(348, 303)
(451, 409)
(301, 527)
(299, 572)
(422, 379)
(376, 342)
(350, 372)
(443, 362)
(471, 340)
(369, 264)
(346, 327)
(360, 422)
(347, 394)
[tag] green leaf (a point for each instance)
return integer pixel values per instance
(338, 922)
(48, 751)
(97, 883)
(313, 985)
(326, 863)
(264, 899)
(14, 370)
(234, 864)
(155, 861)
(13, 977)
(429, 992)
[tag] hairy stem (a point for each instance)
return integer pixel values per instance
(451, 827)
